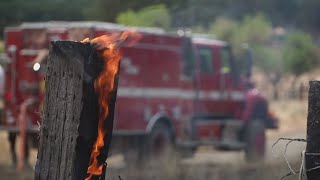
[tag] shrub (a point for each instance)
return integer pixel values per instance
(300, 53)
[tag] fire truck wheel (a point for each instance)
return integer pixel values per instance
(256, 141)
(156, 148)
(159, 148)
(160, 141)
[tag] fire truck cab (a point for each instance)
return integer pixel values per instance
(174, 90)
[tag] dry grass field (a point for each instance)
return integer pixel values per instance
(207, 163)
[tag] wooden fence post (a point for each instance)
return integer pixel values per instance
(70, 112)
(312, 158)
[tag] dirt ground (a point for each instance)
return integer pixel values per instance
(207, 162)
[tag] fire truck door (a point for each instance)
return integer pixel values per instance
(229, 94)
(208, 84)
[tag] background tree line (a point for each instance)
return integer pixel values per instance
(274, 29)
(184, 13)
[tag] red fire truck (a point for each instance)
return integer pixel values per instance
(173, 89)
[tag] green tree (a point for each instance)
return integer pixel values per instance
(156, 16)
(107, 10)
(14, 12)
(199, 30)
(224, 28)
(300, 53)
(269, 58)
(253, 30)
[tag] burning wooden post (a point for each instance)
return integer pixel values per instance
(312, 153)
(76, 130)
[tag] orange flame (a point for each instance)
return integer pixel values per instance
(108, 46)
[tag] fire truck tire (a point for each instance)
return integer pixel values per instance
(159, 150)
(256, 141)
(160, 141)
(155, 147)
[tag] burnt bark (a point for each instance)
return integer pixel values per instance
(313, 130)
(70, 112)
